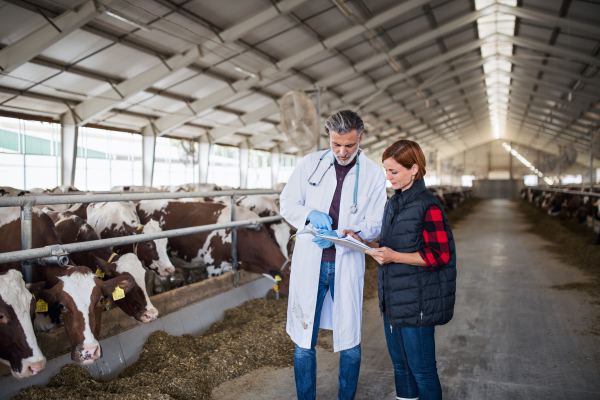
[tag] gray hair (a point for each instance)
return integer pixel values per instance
(344, 122)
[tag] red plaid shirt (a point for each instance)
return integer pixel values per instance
(436, 252)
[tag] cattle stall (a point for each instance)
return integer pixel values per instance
(212, 296)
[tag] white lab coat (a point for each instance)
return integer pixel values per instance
(298, 199)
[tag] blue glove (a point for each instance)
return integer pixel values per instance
(320, 220)
(324, 243)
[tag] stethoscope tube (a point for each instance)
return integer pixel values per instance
(353, 208)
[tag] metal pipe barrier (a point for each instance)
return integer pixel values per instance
(57, 255)
(581, 193)
(49, 251)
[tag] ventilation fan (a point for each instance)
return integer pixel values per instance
(548, 164)
(567, 157)
(596, 144)
(188, 153)
(299, 120)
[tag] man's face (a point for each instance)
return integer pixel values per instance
(345, 147)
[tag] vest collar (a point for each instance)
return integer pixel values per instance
(409, 194)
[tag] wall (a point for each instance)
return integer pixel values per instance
(497, 188)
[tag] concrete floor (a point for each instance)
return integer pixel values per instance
(512, 337)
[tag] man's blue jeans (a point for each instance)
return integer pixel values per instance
(305, 360)
(413, 354)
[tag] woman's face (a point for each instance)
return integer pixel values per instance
(399, 177)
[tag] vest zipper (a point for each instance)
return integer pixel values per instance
(420, 297)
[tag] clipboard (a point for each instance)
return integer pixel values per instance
(346, 241)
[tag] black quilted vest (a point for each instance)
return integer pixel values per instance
(412, 296)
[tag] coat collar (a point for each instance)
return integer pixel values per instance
(409, 194)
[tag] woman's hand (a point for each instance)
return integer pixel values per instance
(350, 232)
(384, 255)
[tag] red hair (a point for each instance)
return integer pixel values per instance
(407, 153)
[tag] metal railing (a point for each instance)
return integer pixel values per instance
(566, 191)
(56, 254)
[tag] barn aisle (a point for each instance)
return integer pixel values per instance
(512, 337)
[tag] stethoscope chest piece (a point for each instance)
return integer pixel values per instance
(353, 209)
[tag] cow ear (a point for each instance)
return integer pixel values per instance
(36, 288)
(124, 281)
(108, 268)
(51, 296)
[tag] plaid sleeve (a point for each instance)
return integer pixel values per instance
(436, 252)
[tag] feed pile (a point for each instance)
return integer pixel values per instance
(187, 367)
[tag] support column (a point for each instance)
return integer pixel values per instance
(510, 162)
(591, 159)
(68, 155)
(204, 149)
(244, 163)
(275, 154)
(148, 148)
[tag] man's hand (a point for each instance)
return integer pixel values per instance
(320, 220)
(324, 243)
(384, 255)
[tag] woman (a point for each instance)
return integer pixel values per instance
(417, 272)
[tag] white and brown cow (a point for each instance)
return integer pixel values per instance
(257, 251)
(281, 231)
(18, 344)
(44, 233)
(73, 229)
(78, 295)
(114, 219)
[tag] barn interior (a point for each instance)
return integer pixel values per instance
(110, 97)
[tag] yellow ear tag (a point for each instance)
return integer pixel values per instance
(118, 294)
(41, 306)
(99, 273)
(278, 278)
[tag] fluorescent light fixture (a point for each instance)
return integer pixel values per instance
(123, 18)
(243, 71)
(525, 162)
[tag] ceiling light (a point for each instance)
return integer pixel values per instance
(243, 71)
(123, 18)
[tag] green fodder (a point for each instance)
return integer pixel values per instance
(187, 367)
(572, 242)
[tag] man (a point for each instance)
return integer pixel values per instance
(333, 190)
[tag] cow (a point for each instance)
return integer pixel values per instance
(18, 344)
(78, 295)
(79, 209)
(257, 251)
(264, 206)
(44, 233)
(135, 189)
(7, 191)
(114, 219)
(73, 229)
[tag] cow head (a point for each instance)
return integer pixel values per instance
(137, 303)
(263, 258)
(153, 253)
(79, 295)
(18, 344)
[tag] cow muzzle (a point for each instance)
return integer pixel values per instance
(149, 316)
(30, 369)
(86, 354)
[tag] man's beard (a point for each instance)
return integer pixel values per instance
(350, 159)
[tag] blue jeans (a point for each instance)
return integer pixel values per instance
(305, 360)
(413, 354)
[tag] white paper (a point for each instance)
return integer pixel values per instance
(346, 241)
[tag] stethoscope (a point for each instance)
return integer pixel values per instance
(353, 208)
